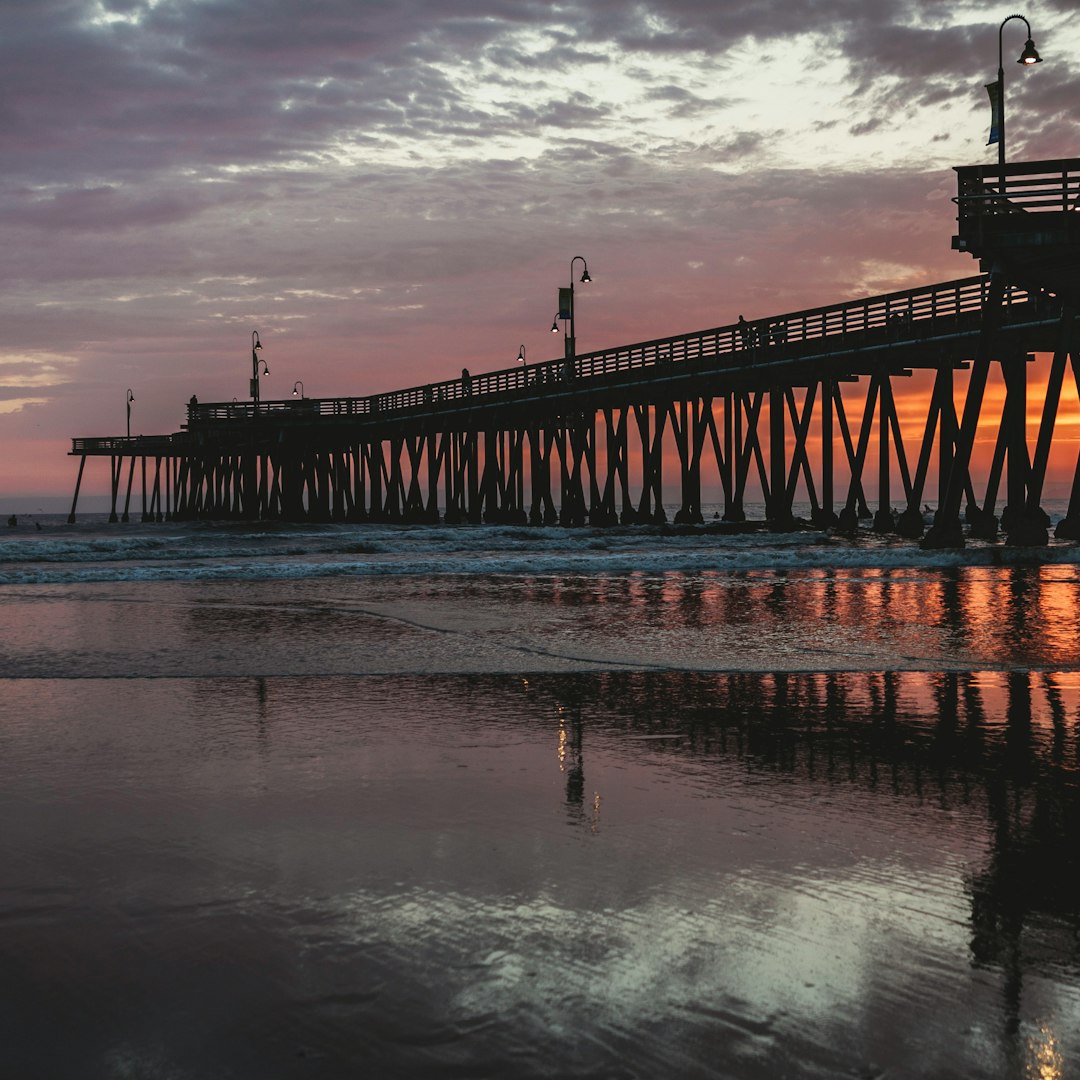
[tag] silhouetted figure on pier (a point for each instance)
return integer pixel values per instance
(466, 381)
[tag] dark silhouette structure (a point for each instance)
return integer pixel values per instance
(584, 443)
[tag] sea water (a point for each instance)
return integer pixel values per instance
(325, 801)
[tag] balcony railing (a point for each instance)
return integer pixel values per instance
(1026, 187)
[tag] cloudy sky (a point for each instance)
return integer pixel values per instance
(389, 190)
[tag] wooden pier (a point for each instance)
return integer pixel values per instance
(581, 439)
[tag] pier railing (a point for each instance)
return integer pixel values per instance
(139, 445)
(908, 315)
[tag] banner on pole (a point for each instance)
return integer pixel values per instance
(994, 90)
(566, 303)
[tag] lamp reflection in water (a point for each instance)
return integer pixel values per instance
(571, 758)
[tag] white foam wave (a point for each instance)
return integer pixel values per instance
(290, 554)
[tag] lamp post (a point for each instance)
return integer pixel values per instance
(130, 399)
(521, 355)
(300, 383)
(256, 344)
(571, 341)
(1028, 57)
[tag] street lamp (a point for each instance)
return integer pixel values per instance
(1028, 57)
(521, 354)
(256, 344)
(566, 304)
(130, 399)
(300, 383)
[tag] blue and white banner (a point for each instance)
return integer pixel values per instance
(994, 90)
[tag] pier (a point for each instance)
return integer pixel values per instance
(596, 438)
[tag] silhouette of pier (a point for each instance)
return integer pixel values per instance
(800, 406)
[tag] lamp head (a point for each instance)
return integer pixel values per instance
(585, 276)
(1029, 55)
(521, 354)
(255, 342)
(555, 325)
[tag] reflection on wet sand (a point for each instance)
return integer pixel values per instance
(1006, 745)
(1009, 743)
(706, 875)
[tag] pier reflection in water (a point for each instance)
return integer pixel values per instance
(556, 875)
(938, 618)
(962, 617)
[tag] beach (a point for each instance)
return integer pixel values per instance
(504, 802)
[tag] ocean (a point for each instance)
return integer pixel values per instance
(488, 801)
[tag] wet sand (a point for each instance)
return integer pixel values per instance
(552, 874)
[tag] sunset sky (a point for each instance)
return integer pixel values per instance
(390, 190)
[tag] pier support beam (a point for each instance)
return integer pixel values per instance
(946, 530)
(825, 515)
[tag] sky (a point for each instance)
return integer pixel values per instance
(391, 190)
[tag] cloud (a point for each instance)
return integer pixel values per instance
(109, 207)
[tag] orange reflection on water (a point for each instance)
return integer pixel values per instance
(1036, 610)
(1045, 1060)
(1059, 612)
(1004, 614)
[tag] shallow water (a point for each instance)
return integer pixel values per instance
(775, 820)
(870, 619)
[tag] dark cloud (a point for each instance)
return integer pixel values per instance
(234, 83)
(110, 209)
